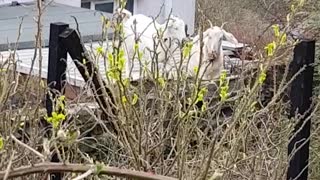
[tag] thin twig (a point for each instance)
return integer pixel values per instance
(9, 167)
(27, 147)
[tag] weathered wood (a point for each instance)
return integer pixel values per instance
(57, 66)
(300, 97)
(88, 71)
(81, 168)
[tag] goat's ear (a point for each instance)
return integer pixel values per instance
(206, 33)
(229, 37)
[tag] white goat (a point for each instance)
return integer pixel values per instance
(212, 53)
(142, 29)
(230, 36)
(123, 13)
(171, 41)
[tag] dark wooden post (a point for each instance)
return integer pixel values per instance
(57, 65)
(186, 30)
(300, 97)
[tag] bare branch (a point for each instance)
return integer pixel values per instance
(27, 147)
(79, 168)
(9, 167)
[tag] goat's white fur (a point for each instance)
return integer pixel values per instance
(124, 13)
(144, 29)
(212, 53)
(230, 37)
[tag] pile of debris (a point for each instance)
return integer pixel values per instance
(237, 56)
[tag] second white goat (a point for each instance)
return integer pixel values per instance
(144, 31)
(212, 53)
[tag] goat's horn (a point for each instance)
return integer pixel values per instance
(210, 23)
(223, 24)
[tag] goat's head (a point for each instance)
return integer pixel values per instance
(173, 35)
(123, 14)
(175, 29)
(212, 39)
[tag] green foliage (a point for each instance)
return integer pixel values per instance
(98, 168)
(283, 40)
(203, 91)
(187, 49)
(196, 69)
(280, 40)
(124, 100)
(56, 119)
(137, 52)
(58, 115)
(116, 64)
(105, 24)
(276, 30)
(100, 50)
(223, 86)
(161, 82)
(270, 48)
(262, 77)
(204, 106)
(72, 136)
(135, 99)
(1, 143)
(122, 3)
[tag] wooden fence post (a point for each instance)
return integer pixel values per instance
(300, 97)
(57, 65)
(186, 30)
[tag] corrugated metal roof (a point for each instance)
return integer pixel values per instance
(24, 58)
(10, 17)
(24, 61)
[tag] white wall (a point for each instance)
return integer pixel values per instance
(75, 3)
(149, 8)
(2, 2)
(185, 9)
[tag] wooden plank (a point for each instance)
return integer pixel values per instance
(89, 72)
(56, 76)
(301, 100)
(226, 45)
